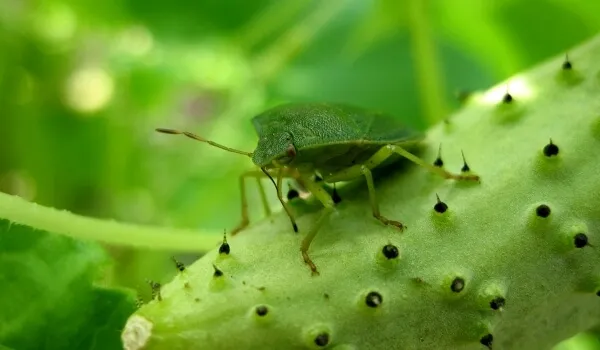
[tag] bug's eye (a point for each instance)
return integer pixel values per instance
(290, 154)
(291, 151)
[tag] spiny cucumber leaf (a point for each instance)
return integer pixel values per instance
(48, 298)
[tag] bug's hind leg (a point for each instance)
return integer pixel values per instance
(373, 199)
(387, 150)
(364, 170)
(378, 158)
(323, 196)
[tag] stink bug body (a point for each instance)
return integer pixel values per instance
(339, 142)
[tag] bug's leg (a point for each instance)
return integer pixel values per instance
(373, 199)
(385, 152)
(279, 186)
(358, 170)
(378, 158)
(443, 173)
(263, 197)
(245, 219)
(323, 196)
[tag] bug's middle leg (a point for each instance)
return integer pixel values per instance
(329, 206)
(364, 170)
(280, 175)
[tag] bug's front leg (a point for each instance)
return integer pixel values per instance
(245, 219)
(280, 175)
(323, 196)
(263, 196)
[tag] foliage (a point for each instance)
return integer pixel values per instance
(83, 84)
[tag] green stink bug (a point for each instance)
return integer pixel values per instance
(339, 142)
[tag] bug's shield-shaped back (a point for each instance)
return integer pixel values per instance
(317, 125)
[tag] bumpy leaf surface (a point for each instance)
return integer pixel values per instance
(512, 262)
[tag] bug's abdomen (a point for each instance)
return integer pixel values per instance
(334, 158)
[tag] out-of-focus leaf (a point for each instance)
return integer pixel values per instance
(582, 341)
(379, 22)
(48, 291)
(510, 35)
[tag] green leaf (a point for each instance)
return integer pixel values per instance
(48, 298)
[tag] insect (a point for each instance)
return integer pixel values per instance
(339, 142)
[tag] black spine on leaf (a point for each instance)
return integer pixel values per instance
(567, 65)
(458, 284)
(224, 248)
(551, 150)
(438, 162)
(322, 339)
(178, 264)
(465, 168)
(217, 273)
(373, 299)
(487, 340)
(580, 240)
(155, 286)
(543, 211)
(440, 206)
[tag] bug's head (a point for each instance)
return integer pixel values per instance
(274, 151)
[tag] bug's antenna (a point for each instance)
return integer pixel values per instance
(198, 138)
(287, 210)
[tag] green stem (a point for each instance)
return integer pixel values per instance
(268, 21)
(430, 80)
(291, 42)
(20, 211)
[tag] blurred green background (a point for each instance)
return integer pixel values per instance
(83, 84)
